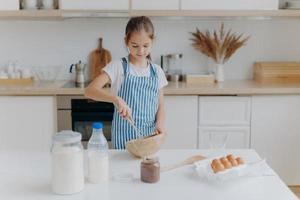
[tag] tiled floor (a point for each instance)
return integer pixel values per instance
(296, 190)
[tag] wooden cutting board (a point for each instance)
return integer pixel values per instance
(98, 59)
(277, 71)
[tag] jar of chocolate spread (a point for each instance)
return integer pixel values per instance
(150, 170)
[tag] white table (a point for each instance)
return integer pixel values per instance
(27, 176)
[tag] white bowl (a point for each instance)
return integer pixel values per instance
(146, 146)
(47, 73)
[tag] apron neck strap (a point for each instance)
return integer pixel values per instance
(125, 64)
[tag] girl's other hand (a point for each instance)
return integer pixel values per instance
(123, 108)
(159, 129)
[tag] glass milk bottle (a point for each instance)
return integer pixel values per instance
(67, 163)
(98, 155)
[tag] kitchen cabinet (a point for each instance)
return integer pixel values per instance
(275, 133)
(94, 4)
(181, 122)
(9, 4)
(229, 5)
(155, 12)
(27, 122)
(155, 5)
(216, 137)
(224, 121)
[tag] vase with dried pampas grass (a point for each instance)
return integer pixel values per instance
(219, 46)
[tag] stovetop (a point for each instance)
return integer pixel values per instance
(72, 84)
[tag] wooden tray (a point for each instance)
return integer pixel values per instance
(21, 81)
(277, 71)
(199, 78)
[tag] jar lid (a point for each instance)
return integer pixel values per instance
(67, 137)
(148, 160)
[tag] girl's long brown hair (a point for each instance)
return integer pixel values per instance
(137, 24)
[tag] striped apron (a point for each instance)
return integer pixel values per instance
(141, 95)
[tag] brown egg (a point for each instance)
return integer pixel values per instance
(223, 160)
(219, 167)
(240, 161)
(232, 160)
(230, 157)
(214, 164)
(215, 161)
(234, 163)
(227, 165)
(214, 168)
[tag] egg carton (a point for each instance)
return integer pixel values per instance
(204, 170)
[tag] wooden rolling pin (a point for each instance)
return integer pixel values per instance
(188, 161)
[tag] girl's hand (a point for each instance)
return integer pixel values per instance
(123, 108)
(159, 128)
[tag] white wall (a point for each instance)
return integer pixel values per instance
(49, 43)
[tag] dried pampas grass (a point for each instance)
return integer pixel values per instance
(219, 46)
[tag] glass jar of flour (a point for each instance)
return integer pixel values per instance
(67, 163)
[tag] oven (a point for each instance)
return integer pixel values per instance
(78, 113)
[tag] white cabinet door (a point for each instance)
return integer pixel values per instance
(224, 137)
(224, 122)
(9, 5)
(27, 123)
(224, 111)
(181, 122)
(229, 5)
(94, 4)
(275, 134)
(155, 5)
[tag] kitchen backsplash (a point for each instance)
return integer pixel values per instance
(53, 43)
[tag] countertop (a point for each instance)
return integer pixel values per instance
(27, 176)
(230, 87)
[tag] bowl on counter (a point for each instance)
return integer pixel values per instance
(47, 73)
(146, 146)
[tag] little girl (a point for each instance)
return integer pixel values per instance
(136, 86)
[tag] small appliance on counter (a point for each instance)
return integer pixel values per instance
(38, 4)
(30, 4)
(292, 4)
(79, 76)
(172, 66)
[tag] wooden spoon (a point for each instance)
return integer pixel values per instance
(188, 161)
(138, 131)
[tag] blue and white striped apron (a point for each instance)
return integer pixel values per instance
(141, 95)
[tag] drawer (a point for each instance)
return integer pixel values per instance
(224, 111)
(224, 137)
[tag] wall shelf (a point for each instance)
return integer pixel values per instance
(31, 15)
(219, 13)
(66, 14)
